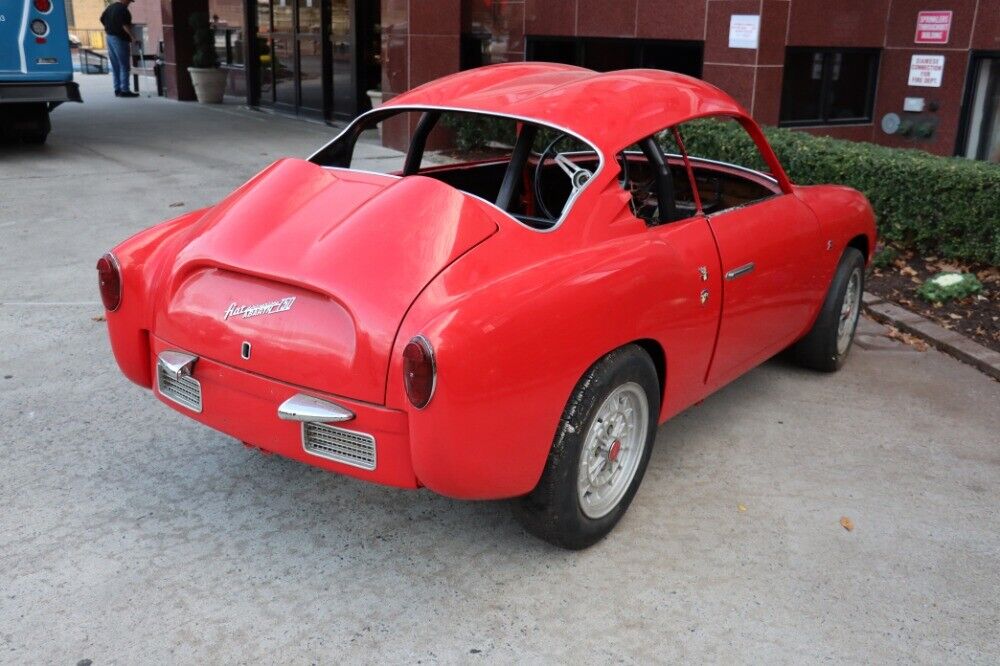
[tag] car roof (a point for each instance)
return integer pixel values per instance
(611, 109)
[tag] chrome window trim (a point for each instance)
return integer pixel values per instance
(570, 202)
(738, 167)
(705, 160)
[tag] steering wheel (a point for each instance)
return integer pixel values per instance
(578, 176)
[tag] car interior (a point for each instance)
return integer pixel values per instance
(533, 172)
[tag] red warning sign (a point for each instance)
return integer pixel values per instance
(933, 27)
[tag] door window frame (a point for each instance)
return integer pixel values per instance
(976, 61)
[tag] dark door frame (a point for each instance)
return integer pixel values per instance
(361, 13)
(252, 60)
(976, 60)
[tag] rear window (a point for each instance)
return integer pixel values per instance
(531, 171)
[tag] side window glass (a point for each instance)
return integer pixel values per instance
(728, 168)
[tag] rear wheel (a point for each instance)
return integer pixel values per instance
(827, 344)
(25, 122)
(599, 454)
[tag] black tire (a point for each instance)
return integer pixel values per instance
(819, 349)
(553, 510)
(26, 122)
(35, 138)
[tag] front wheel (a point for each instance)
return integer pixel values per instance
(599, 454)
(826, 345)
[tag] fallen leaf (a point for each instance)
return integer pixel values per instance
(954, 316)
(846, 523)
(177, 204)
(907, 271)
(741, 507)
(98, 318)
(906, 338)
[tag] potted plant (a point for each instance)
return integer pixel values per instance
(208, 79)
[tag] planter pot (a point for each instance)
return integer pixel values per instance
(376, 97)
(209, 83)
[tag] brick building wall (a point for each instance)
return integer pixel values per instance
(422, 40)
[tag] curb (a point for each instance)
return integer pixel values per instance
(952, 343)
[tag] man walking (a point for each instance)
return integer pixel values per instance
(117, 22)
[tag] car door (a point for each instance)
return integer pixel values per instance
(684, 303)
(770, 254)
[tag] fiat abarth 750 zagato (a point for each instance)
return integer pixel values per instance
(506, 309)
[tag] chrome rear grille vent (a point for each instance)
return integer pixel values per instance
(184, 390)
(344, 446)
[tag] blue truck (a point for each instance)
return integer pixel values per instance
(36, 69)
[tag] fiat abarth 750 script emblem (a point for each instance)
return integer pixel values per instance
(247, 311)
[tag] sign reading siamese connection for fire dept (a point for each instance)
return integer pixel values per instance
(933, 27)
(926, 71)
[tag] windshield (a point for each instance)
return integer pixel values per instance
(531, 171)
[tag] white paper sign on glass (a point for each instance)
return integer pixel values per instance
(744, 31)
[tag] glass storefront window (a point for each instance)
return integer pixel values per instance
(313, 56)
(828, 86)
(605, 54)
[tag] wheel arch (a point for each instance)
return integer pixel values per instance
(860, 243)
(659, 358)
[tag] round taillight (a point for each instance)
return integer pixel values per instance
(39, 27)
(43, 6)
(109, 277)
(419, 371)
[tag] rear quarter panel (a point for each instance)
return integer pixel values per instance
(142, 258)
(515, 325)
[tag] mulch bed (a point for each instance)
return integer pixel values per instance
(977, 317)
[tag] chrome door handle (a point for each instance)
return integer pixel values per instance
(740, 271)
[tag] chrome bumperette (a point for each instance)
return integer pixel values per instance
(349, 447)
(174, 381)
(176, 364)
(306, 408)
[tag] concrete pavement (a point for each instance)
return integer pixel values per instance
(129, 534)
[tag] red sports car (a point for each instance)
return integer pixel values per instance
(506, 308)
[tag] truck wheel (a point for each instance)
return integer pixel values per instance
(826, 345)
(36, 129)
(26, 122)
(599, 454)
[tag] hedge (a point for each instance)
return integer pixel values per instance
(946, 206)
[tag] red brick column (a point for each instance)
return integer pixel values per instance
(178, 46)
(752, 76)
(420, 42)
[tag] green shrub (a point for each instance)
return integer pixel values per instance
(947, 206)
(204, 41)
(474, 131)
(949, 286)
(885, 256)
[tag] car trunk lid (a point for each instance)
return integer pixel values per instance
(305, 274)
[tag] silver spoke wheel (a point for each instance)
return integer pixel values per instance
(612, 450)
(849, 312)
